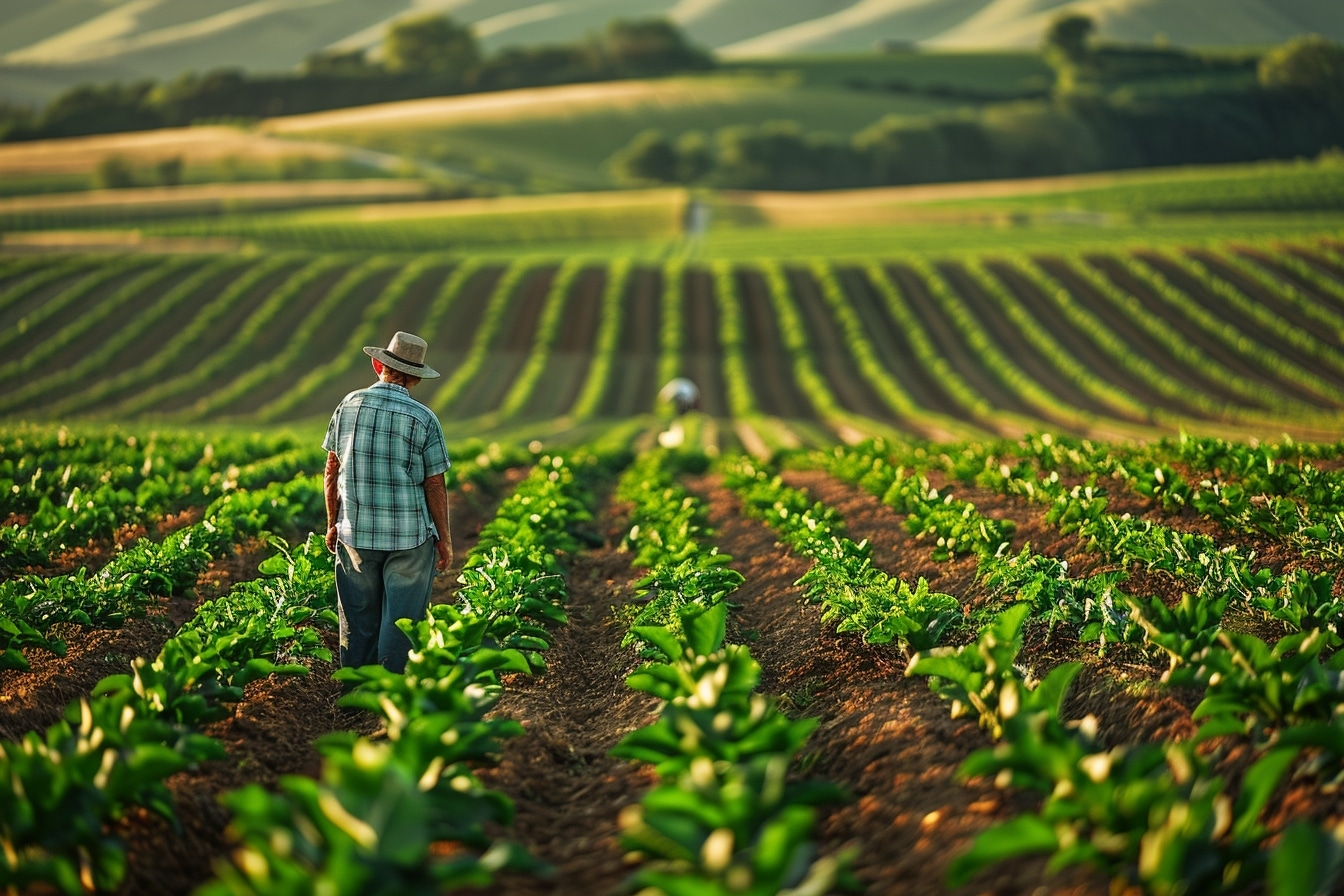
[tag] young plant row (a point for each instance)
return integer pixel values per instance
(725, 817)
(115, 749)
(1237, 341)
(853, 593)
(238, 352)
(32, 607)
(407, 814)
(1102, 803)
(1273, 693)
(1153, 816)
(61, 497)
(167, 359)
(61, 378)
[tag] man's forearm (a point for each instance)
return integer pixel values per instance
(436, 496)
(329, 485)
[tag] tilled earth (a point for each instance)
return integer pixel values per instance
(885, 738)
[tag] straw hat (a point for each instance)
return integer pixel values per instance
(406, 352)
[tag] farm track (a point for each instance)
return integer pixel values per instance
(895, 351)
(835, 362)
(701, 349)
(331, 330)
(631, 390)
(951, 346)
(1199, 380)
(571, 356)
(510, 349)
(768, 365)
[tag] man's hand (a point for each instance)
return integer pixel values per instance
(445, 552)
(331, 539)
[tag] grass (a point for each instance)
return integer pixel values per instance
(1213, 204)
(563, 139)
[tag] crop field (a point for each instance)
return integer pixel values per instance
(1024, 665)
(1238, 339)
(1003, 554)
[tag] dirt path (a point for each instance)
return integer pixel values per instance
(633, 388)
(567, 789)
(701, 351)
(769, 368)
(570, 358)
(510, 348)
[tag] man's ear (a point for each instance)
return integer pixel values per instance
(377, 367)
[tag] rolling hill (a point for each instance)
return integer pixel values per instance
(45, 47)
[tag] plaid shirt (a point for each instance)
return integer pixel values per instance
(388, 444)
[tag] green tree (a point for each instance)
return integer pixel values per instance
(1312, 64)
(430, 45)
(113, 173)
(1069, 35)
(169, 170)
(649, 47)
(649, 158)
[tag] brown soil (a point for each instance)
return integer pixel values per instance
(510, 346)
(701, 353)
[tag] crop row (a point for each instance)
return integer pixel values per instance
(1121, 342)
(114, 749)
(405, 813)
(1150, 814)
(725, 816)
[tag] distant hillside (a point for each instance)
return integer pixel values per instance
(46, 46)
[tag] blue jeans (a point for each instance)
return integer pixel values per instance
(373, 590)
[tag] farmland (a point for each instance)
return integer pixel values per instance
(1002, 555)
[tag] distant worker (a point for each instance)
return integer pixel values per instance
(682, 393)
(387, 505)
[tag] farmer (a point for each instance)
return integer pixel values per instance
(682, 393)
(387, 505)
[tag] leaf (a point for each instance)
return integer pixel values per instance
(1020, 836)
(1306, 862)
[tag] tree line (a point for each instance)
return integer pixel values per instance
(423, 56)
(1291, 105)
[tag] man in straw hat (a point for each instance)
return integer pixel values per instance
(387, 505)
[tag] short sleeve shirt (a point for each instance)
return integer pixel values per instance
(388, 444)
